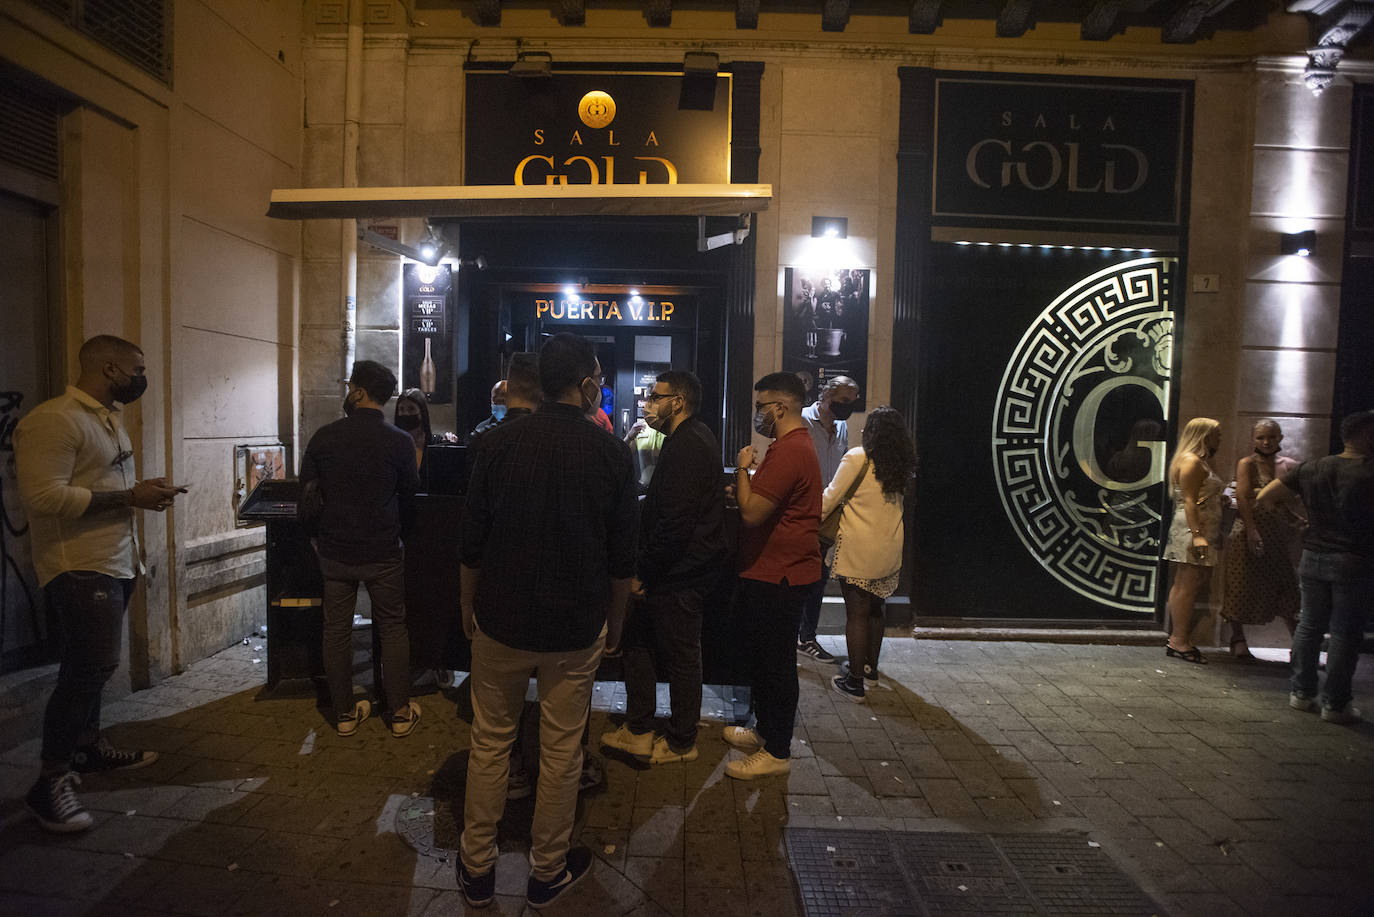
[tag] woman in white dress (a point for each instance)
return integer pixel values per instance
(1195, 534)
(868, 548)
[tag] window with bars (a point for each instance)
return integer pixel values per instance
(140, 31)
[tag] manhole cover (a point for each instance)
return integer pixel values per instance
(848, 873)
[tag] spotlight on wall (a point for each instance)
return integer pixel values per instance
(830, 227)
(1298, 243)
(532, 64)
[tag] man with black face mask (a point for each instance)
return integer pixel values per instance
(826, 420)
(367, 475)
(76, 477)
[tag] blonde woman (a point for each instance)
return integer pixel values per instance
(1195, 533)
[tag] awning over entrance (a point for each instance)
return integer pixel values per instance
(518, 201)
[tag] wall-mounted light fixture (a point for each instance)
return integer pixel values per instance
(829, 227)
(1298, 243)
(699, 81)
(532, 64)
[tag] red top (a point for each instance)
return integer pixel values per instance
(786, 545)
(603, 420)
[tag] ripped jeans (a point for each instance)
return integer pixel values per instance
(90, 607)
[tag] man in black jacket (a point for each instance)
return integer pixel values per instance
(681, 547)
(366, 473)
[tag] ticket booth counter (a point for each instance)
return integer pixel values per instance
(433, 615)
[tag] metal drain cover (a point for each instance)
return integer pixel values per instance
(847, 873)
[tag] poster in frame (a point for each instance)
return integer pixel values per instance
(254, 464)
(825, 326)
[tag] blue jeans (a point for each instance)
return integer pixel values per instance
(1337, 592)
(90, 607)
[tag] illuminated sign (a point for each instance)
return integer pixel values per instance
(632, 310)
(585, 128)
(1106, 152)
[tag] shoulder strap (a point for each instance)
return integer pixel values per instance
(857, 481)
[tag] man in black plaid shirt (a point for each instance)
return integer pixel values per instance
(547, 548)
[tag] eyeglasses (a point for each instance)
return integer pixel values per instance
(658, 396)
(760, 405)
(122, 457)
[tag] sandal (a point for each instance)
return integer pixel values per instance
(1246, 656)
(1193, 655)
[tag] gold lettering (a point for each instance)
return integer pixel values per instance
(538, 136)
(665, 309)
(601, 305)
(559, 308)
(1006, 119)
(613, 312)
(541, 306)
(610, 138)
(672, 170)
(610, 169)
(591, 167)
(1073, 123)
(635, 309)
(576, 139)
(1109, 125)
(520, 169)
(652, 141)
(1040, 121)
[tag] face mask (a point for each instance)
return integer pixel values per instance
(498, 411)
(764, 424)
(594, 402)
(842, 410)
(408, 422)
(130, 391)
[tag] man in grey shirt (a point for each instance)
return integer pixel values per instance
(826, 421)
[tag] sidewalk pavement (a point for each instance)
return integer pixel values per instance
(1199, 781)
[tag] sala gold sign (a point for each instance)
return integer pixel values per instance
(596, 110)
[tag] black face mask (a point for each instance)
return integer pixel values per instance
(842, 410)
(130, 391)
(408, 422)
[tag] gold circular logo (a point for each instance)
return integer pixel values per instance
(597, 109)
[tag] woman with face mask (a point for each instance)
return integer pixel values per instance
(1260, 580)
(1195, 533)
(411, 415)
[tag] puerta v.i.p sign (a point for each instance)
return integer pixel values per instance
(1085, 503)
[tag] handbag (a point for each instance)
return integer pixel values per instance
(830, 525)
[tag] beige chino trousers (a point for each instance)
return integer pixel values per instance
(500, 677)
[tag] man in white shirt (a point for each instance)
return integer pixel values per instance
(75, 469)
(826, 422)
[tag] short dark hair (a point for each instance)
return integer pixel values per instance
(102, 347)
(564, 361)
(522, 378)
(685, 384)
(375, 379)
(789, 384)
(1355, 424)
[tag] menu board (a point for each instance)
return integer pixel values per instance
(426, 357)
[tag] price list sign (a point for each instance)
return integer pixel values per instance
(426, 358)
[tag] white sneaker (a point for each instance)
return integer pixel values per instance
(1298, 702)
(742, 737)
(641, 746)
(663, 753)
(1347, 714)
(759, 764)
(348, 724)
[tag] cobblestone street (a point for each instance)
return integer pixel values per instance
(1199, 782)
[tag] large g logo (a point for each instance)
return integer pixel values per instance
(1078, 428)
(597, 109)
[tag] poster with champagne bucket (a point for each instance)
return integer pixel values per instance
(426, 350)
(825, 326)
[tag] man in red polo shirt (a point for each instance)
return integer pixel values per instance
(780, 512)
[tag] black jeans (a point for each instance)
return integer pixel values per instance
(386, 587)
(811, 610)
(768, 614)
(667, 629)
(90, 607)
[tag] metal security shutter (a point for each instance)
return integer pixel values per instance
(29, 130)
(140, 31)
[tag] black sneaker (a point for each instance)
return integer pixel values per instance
(102, 756)
(53, 802)
(813, 649)
(541, 894)
(870, 674)
(850, 687)
(477, 890)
